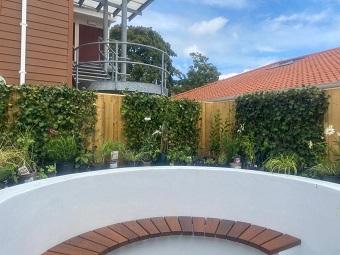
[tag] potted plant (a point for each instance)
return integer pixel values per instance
(326, 170)
(103, 155)
(132, 158)
(283, 163)
(180, 156)
(7, 175)
(63, 150)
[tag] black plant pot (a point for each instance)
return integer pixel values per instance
(64, 168)
(334, 179)
(98, 167)
(3, 185)
(162, 160)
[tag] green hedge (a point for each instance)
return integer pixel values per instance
(179, 117)
(45, 110)
(288, 122)
(5, 93)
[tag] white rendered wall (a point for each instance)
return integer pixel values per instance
(39, 215)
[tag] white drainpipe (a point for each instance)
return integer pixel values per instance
(23, 42)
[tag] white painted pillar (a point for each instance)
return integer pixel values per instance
(23, 24)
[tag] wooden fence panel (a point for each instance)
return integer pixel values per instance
(109, 124)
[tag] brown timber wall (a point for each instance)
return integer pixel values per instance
(49, 41)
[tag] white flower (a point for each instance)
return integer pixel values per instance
(241, 129)
(330, 130)
(157, 132)
(147, 118)
(310, 145)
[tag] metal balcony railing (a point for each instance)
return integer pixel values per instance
(114, 64)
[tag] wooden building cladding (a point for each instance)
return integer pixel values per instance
(49, 41)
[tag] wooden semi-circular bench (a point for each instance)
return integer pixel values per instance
(104, 240)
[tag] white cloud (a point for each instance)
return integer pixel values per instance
(228, 75)
(230, 4)
(208, 26)
(191, 49)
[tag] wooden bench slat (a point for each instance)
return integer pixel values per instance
(86, 244)
(174, 225)
(186, 225)
(280, 243)
(264, 237)
(97, 238)
(71, 250)
(149, 227)
(211, 226)
(198, 226)
(109, 233)
(161, 225)
(103, 240)
(251, 233)
(124, 231)
(238, 229)
(137, 229)
(223, 228)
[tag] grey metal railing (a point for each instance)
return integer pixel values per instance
(113, 60)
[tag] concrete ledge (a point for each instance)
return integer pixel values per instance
(48, 212)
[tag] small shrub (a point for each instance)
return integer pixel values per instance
(61, 148)
(286, 164)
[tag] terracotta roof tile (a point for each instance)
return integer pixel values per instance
(311, 70)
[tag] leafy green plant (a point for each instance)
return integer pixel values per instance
(51, 110)
(5, 93)
(215, 136)
(284, 122)
(247, 145)
(282, 163)
(84, 158)
(62, 148)
(180, 155)
(325, 167)
(145, 114)
(105, 150)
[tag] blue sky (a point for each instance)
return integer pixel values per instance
(239, 35)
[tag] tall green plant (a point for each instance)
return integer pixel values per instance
(145, 116)
(284, 122)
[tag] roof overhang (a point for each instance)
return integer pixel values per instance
(135, 7)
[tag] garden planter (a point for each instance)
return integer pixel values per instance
(334, 179)
(147, 163)
(27, 178)
(162, 160)
(3, 185)
(100, 167)
(64, 168)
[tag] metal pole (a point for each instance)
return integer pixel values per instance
(162, 82)
(124, 38)
(106, 32)
(116, 60)
(77, 68)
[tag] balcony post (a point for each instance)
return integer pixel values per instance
(124, 38)
(106, 32)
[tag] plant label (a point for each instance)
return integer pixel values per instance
(23, 171)
(114, 155)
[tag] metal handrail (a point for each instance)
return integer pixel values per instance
(115, 60)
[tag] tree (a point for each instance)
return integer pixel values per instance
(146, 36)
(201, 72)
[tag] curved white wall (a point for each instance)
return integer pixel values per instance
(39, 215)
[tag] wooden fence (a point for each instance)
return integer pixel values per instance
(110, 124)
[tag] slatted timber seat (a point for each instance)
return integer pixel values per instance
(104, 240)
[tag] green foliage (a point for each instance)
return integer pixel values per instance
(5, 93)
(201, 72)
(61, 148)
(146, 36)
(284, 122)
(286, 164)
(224, 145)
(46, 111)
(104, 152)
(145, 116)
(179, 155)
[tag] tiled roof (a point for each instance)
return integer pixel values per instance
(311, 70)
